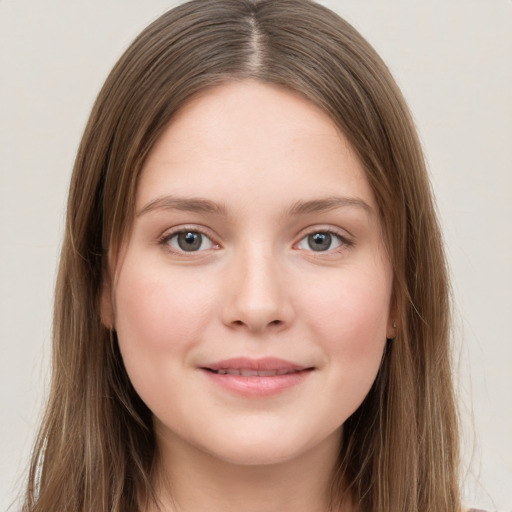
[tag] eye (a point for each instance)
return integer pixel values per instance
(188, 241)
(321, 241)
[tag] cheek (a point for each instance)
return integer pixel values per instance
(159, 320)
(353, 302)
(158, 309)
(349, 317)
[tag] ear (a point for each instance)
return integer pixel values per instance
(106, 304)
(391, 328)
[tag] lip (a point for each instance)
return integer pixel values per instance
(256, 377)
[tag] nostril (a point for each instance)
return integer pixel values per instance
(273, 323)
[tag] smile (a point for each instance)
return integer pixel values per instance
(253, 373)
(256, 377)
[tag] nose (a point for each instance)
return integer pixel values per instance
(257, 297)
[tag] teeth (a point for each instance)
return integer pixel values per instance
(248, 373)
(243, 372)
(268, 373)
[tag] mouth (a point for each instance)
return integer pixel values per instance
(245, 372)
(248, 367)
(256, 377)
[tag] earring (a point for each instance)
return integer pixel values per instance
(394, 328)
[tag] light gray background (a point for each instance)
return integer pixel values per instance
(453, 60)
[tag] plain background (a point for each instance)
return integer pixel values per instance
(453, 60)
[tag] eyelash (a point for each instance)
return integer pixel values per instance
(166, 238)
(344, 242)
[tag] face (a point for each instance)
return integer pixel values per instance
(252, 298)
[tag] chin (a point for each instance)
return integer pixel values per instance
(271, 449)
(260, 455)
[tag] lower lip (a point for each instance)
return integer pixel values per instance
(258, 386)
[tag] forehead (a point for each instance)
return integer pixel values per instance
(245, 136)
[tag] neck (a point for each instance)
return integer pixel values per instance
(190, 480)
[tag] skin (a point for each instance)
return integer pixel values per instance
(269, 163)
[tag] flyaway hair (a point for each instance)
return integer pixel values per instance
(96, 450)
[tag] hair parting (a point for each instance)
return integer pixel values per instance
(96, 448)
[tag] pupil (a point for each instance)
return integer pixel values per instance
(319, 241)
(189, 241)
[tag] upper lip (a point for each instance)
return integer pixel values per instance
(261, 364)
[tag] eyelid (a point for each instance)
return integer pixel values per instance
(345, 239)
(176, 230)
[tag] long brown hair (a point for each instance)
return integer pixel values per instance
(96, 448)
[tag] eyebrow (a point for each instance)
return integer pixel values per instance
(187, 204)
(200, 205)
(329, 203)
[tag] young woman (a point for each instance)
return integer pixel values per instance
(252, 308)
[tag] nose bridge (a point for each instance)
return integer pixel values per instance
(257, 299)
